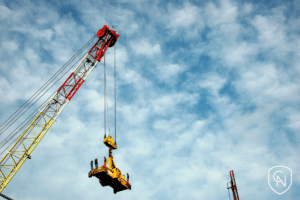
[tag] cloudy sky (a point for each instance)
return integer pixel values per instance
(203, 87)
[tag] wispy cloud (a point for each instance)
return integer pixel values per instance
(202, 88)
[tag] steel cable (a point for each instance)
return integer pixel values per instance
(104, 73)
(115, 94)
(37, 108)
(12, 134)
(40, 90)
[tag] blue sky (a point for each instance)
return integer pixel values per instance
(203, 87)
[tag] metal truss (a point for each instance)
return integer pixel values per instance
(233, 186)
(30, 138)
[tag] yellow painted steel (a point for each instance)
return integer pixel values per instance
(109, 142)
(26, 151)
(19, 152)
(109, 174)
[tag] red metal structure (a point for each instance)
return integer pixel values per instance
(233, 186)
(107, 38)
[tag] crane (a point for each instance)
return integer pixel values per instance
(233, 187)
(21, 150)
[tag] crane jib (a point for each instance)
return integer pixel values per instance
(107, 38)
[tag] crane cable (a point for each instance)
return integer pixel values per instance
(11, 135)
(105, 99)
(115, 94)
(10, 121)
(34, 112)
(105, 103)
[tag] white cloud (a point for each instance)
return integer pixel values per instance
(44, 34)
(266, 84)
(6, 91)
(5, 13)
(169, 72)
(270, 33)
(10, 46)
(247, 8)
(239, 55)
(143, 47)
(183, 21)
(294, 119)
(134, 115)
(161, 135)
(185, 17)
(166, 104)
(125, 22)
(213, 83)
(226, 13)
(31, 56)
(170, 126)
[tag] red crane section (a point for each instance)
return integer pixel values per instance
(107, 38)
(233, 186)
